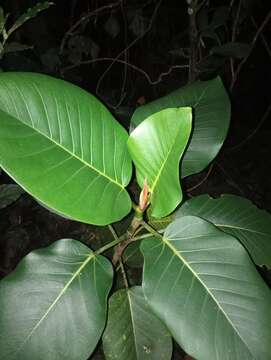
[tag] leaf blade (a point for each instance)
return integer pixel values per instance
(70, 150)
(133, 332)
(238, 217)
(156, 147)
(210, 289)
(211, 106)
(49, 303)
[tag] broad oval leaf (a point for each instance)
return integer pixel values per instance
(64, 147)
(238, 217)
(202, 284)
(211, 106)
(133, 332)
(53, 306)
(156, 147)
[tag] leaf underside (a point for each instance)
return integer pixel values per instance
(53, 306)
(203, 285)
(64, 147)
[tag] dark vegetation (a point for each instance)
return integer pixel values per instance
(129, 53)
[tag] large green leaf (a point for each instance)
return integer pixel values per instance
(201, 282)
(133, 332)
(238, 217)
(63, 146)
(211, 106)
(53, 306)
(156, 147)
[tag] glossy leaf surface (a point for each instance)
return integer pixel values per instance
(156, 147)
(64, 147)
(238, 217)
(211, 106)
(202, 284)
(53, 306)
(133, 332)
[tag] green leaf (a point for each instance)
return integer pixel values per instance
(132, 255)
(53, 306)
(211, 120)
(9, 193)
(3, 19)
(156, 147)
(238, 217)
(232, 49)
(160, 223)
(133, 332)
(204, 287)
(64, 147)
(29, 14)
(15, 46)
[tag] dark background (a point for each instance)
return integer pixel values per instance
(146, 39)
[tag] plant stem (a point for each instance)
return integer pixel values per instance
(151, 230)
(123, 273)
(193, 35)
(109, 245)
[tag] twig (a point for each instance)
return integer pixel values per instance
(250, 136)
(84, 18)
(193, 38)
(128, 47)
(203, 180)
(260, 29)
(233, 36)
(201, 5)
(267, 47)
(128, 64)
(123, 273)
(126, 54)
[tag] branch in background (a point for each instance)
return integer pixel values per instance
(126, 58)
(233, 36)
(193, 36)
(267, 48)
(84, 18)
(250, 136)
(239, 68)
(128, 47)
(132, 66)
(203, 180)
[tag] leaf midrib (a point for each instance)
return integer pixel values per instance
(165, 161)
(53, 304)
(178, 254)
(132, 321)
(34, 129)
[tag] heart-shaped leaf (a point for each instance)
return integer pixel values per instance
(133, 332)
(238, 217)
(53, 306)
(202, 284)
(211, 106)
(156, 147)
(63, 146)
